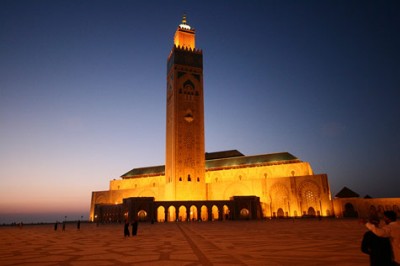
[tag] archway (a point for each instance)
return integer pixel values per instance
(311, 211)
(182, 213)
(244, 214)
(215, 213)
(204, 213)
(171, 214)
(280, 213)
(193, 213)
(349, 210)
(226, 212)
(161, 214)
(142, 215)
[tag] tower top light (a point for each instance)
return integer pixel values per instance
(185, 35)
(183, 25)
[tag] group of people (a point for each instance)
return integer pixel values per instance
(382, 242)
(134, 228)
(78, 225)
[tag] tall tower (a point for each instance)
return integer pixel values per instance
(185, 153)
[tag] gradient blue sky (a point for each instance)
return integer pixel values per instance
(82, 92)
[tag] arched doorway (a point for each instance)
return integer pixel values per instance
(244, 214)
(182, 213)
(349, 211)
(193, 213)
(142, 215)
(215, 212)
(280, 213)
(161, 214)
(171, 214)
(311, 211)
(226, 212)
(204, 213)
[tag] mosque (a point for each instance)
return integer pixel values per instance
(195, 185)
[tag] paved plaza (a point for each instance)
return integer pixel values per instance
(271, 242)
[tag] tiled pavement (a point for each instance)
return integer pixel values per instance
(272, 242)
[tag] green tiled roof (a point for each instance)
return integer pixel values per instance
(251, 160)
(222, 154)
(143, 171)
(222, 159)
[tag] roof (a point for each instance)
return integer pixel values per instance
(222, 154)
(346, 193)
(283, 157)
(218, 160)
(145, 171)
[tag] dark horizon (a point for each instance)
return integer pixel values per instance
(39, 218)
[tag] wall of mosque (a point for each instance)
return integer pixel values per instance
(284, 190)
(363, 208)
(292, 195)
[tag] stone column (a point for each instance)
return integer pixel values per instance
(187, 214)
(199, 213)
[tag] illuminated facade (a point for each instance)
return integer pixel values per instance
(184, 159)
(194, 185)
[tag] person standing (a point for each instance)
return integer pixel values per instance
(126, 229)
(378, 248)
(134, 227)
(392, 231)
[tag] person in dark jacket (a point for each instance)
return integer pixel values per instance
(126, 229)
(378, 248)
(134, 227)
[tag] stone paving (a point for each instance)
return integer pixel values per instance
(271, 242)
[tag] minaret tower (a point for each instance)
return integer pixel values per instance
(185, 153)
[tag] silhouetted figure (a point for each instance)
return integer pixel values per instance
(55, 226)
(134, 227)
(63, 228)
(378, 248)
(392, 231)
(78, 225)
(126, 229)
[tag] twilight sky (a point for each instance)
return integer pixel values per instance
(82, 92)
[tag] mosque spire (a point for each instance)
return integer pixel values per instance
(184, 24)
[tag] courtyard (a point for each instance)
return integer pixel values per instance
(270, 242)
